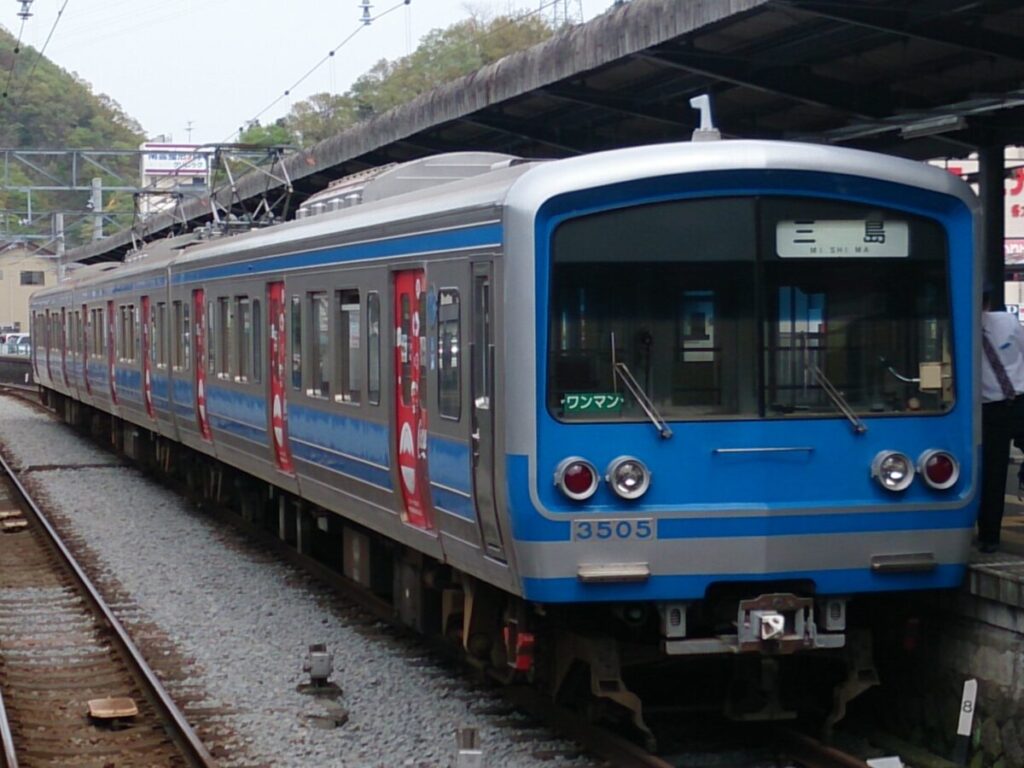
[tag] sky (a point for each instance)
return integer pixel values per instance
(196, 70)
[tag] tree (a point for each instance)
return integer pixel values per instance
(275, 134)
(322, 115)
(443, 55)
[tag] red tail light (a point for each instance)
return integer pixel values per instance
(939, 469)
(577, 478)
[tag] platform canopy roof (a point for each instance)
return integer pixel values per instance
(916, 78)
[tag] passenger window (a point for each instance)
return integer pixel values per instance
(211, 337)
(449, 348)
(349, 376)
(319, 326)
(127, 333)
(244, 341)
(373, 348)
(160, 333)
(227, 354)
(136, 323)
(257, 343)
(177, 341)
(296, 320)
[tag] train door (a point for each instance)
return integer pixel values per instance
(277, 358)
(410, 396)
(111, 352)
(482, 408)
(147, 363)
(199, 360)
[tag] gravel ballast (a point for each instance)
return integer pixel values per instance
(242, 623)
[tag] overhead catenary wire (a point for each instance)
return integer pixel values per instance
(14, 60)
(315, 67)
(42, 51)
(7, 92)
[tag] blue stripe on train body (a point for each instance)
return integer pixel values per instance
(240, 414)
(451, 482)
(825, 494)
(129, 384)
(183, 404)
(341, 443)
(160, 387)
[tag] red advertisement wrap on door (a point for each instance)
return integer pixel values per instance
(111, 352)
(147, 378)
(277, 355)
(199, 324)
(410, 398)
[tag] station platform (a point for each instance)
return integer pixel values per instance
(999, 576)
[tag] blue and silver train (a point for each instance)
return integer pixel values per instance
(665, 402)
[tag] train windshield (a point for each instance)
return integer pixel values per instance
(749, 307)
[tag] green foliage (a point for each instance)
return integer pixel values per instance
(46, 107)
(275, 134)
(442, 56)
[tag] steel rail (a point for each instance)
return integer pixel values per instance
(192, 748)
(10, 759)
(813, 754)
(607, 745)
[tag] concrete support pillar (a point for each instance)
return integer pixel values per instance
(286, 514)
(303, 531)
(991, 169)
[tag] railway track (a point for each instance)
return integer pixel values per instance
(69, 675)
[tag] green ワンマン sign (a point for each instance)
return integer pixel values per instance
(592, 402)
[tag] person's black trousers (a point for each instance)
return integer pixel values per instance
(1000, 422)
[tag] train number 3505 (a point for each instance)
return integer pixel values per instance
(602, 530)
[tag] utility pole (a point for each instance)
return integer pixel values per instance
(96, 205)
(58, 236)
(188, 131)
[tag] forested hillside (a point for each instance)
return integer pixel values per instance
(44, 107)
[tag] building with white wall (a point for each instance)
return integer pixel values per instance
(21, 274)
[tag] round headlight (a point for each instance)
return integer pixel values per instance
(939, 469)
(577, 478)
(628, 477)
(893, 470)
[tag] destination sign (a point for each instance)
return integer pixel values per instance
(842, 238)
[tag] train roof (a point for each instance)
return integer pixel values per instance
(481, 192)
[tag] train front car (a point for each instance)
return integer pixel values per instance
(740, 392)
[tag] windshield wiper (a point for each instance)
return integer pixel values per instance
(837, 399)
(621, 370)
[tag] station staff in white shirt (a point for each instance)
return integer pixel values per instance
(1002, 414)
